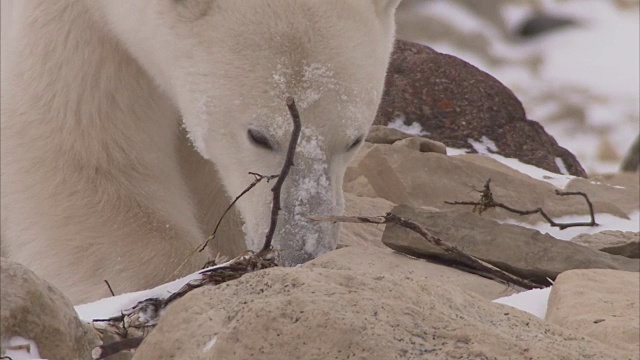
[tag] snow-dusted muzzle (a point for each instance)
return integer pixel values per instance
(309, 190)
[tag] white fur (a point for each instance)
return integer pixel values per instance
(99, 180)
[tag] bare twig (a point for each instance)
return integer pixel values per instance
(256, 181)
(487, 202)
(459, 255)
(110, 288)
(288, 163)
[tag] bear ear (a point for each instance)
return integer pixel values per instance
(385, 8)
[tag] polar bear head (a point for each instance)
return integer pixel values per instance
(229, 65)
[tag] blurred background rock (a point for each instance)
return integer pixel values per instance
(573, 63)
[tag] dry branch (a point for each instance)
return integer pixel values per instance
(257, 179)
(487, 202)
(458, 254)
(146, 313)
(288, 163)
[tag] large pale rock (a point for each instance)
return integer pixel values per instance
(602, 304)
(624, 243)
(458, 104)
(302, 313)
(406, 176)
(384, 135)
(376, 261)
(35, 310)
(624, 197)
(363, 234)
(524, 252)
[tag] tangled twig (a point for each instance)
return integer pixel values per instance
(487, 202)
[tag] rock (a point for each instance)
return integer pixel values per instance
(458, 104)
(384, 135)
(623, 243)
(381, 176)
(524, 252)
(602, 304)
(405, 176)
(361, 234)
(33, 309)
(631, 161)
(624, 197)
(423, 145)
(626, 180)
(302, 313)
(376, 261)
(541, 23)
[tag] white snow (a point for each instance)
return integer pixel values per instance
(562, 166)
(484, 146)
(415, 128)
(532, 301)
(29, 353)
(605, 221)
(557, 180)
(113, 306)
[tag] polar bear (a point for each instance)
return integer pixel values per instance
(128, 125)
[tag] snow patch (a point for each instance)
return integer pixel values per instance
(533, 301)
(562, 166)
(605, 221)
(484, 145)
(113, 306)
(398, 123)
(557, 180)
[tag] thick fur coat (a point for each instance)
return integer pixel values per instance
(127, 125)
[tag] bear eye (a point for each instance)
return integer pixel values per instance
(355, 143)
(259, 139)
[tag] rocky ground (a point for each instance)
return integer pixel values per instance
(388, 294)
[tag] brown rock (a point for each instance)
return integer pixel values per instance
(35, 310)
(524, 252)
(456, 103)
(623, 243)
(631, 161)
(377, 261)
(301, 313)
(602, 304)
